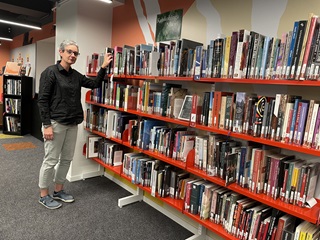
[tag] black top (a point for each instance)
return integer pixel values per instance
(60, 94)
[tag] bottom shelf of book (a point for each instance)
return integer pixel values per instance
(176, 203)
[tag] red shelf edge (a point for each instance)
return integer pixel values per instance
(115, 169)
(216, 228)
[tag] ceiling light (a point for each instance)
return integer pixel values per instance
(20, 24)
(106, 1)
(5, 39)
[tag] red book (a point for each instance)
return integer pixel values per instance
(233, 52)
(285, 179)
(216, 109)
(274, 232)
(266, 228)
(94, 62)
(287, 130)
(302, 189)
(255, 170)
(261, 230)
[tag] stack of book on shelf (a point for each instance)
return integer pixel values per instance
(107, 151)
(242, 54)
(174, 58)
(252, 55)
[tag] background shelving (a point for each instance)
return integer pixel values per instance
(17, 88)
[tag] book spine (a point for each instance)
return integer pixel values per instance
(233, 51)
(297, 48)
(226, 59)
(301, 75)
(301, 124)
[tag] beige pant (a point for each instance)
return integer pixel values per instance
(58, 154)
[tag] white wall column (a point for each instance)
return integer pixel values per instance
(89, 23)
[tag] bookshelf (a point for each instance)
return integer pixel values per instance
(17, 99)
(308, 214)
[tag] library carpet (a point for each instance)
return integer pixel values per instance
(94, 215)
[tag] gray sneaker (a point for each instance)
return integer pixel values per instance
(61, 195)
(49, 203)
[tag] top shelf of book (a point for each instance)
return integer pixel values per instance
(306, 83)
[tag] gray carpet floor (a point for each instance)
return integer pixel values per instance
(94, 215)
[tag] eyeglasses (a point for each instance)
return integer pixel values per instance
(69, 51)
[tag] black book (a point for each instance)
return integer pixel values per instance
(166, 181)
(275, 215)
(166, 87)
(297, 48)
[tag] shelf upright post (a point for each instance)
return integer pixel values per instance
(201, 234)
(137, 197)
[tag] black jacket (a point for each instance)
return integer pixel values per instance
(60, 94)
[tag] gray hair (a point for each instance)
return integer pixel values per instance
(67, 43)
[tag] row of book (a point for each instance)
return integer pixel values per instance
(12, 105)
(164, 59)
(12, 124)
(108, 151)
(243, 217)
(147, 134)
(12, 86)
(260, 169)
(243, 54)
(249, 54)
(164, 99)
(285, 118)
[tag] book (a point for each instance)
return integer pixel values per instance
(300, 125)
(239, 112)
(198, 61)
(303, 45)
(186, 108)
(309, 116)
(231, 168)
(186, 45)
(175, 100)
(297, 48)
(308, 39)
(206, 200)
(195, 196)
(166, 87)
(144, 63)
(291, 49)
(218, 46)
(92, 146)
(226, 57)
(313, 64)
(117, 60)
(243, 39)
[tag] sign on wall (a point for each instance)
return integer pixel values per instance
(169, 25)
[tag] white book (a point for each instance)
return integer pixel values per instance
(109, 131)
(312, 124)
(289, 107)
